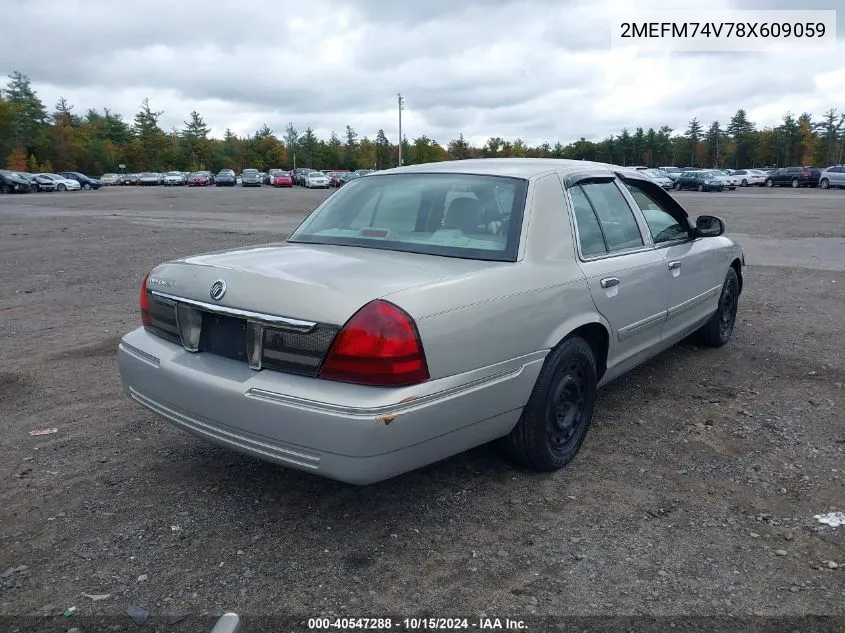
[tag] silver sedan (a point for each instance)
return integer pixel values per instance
(424, 310)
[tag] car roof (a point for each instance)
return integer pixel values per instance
(514, 167)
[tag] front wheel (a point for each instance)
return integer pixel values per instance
(701, 187)
(744, 182)
(61, 187)
(555, 420)
(770, 182)
(825, 183)
(795, 183)
(717, 331)
(86, 186)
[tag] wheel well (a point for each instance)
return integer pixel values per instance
(596, 335)
(737, 266)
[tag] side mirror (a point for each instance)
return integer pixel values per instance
(709, 226)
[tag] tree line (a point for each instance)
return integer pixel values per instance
(33, 139)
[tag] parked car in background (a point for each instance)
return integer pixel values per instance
(10, 182)
(149, 179)
(251, 178)
(832, 177)
(85, 181)
(282, 179)
(62, 183)
(173, 179)
(389, 330)
(673, 172)
(299, 175)
(660, 177)
(198, 179)
(749, 177)
(728, 181)
(37, 183)
(364, 172)
(316, 180)
(208, 175)
(129, 179)
(794, 177)
(226, 178)
(348, 176)
(110, 180)
(699, 180)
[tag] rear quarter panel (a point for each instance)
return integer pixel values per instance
(508, 311)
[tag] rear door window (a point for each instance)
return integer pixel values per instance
(618, 224)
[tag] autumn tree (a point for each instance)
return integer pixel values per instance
(16, 161)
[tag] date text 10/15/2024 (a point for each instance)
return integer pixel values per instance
(417, 624)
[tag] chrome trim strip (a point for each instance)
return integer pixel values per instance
(639, 326)
(278, 321)
(694, 302)
(316, 405)
(199, 427)
(139, 354)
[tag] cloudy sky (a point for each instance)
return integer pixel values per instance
(543, 71)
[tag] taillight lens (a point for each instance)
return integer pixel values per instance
(378, 346)
(146, 319)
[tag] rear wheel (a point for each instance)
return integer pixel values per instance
(555, 420)
(744, 182)
(86, 186)
(61, 187)
(825, 183)
(717, 331)
(795, 183)
(701, 187)
(769, 182)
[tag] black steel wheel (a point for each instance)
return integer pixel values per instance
(555, 421)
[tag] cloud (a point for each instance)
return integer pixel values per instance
(509, 68)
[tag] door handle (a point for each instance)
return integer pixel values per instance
(674, 265)
(609, 282)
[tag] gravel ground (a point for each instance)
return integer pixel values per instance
(694, 493)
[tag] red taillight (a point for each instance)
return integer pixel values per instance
(144, 303)
(378, 346)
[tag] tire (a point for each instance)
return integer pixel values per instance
(86, 186)
(770, 182)
(554, 423)
(825, 183)
(717, 331)
(677, 186)
(700, 187)
(61, 187)
(795, 183)
(744, 182)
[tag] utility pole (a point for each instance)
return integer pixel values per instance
(401, 107)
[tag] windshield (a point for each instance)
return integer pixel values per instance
(250, 172)
(654, 173)
(455, 215)
(149, 175)
(174, 173)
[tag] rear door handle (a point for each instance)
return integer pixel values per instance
(609, 282)
(674, 265)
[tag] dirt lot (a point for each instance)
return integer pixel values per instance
(694, 493)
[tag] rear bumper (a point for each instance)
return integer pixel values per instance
(358, 435)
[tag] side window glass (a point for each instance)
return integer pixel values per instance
(589, 231)
(664, 227)
(616, 218)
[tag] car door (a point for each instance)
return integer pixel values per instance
(626, 277)
(690, 264)
(836, 176)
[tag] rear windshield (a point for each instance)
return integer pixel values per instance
(455, 215)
